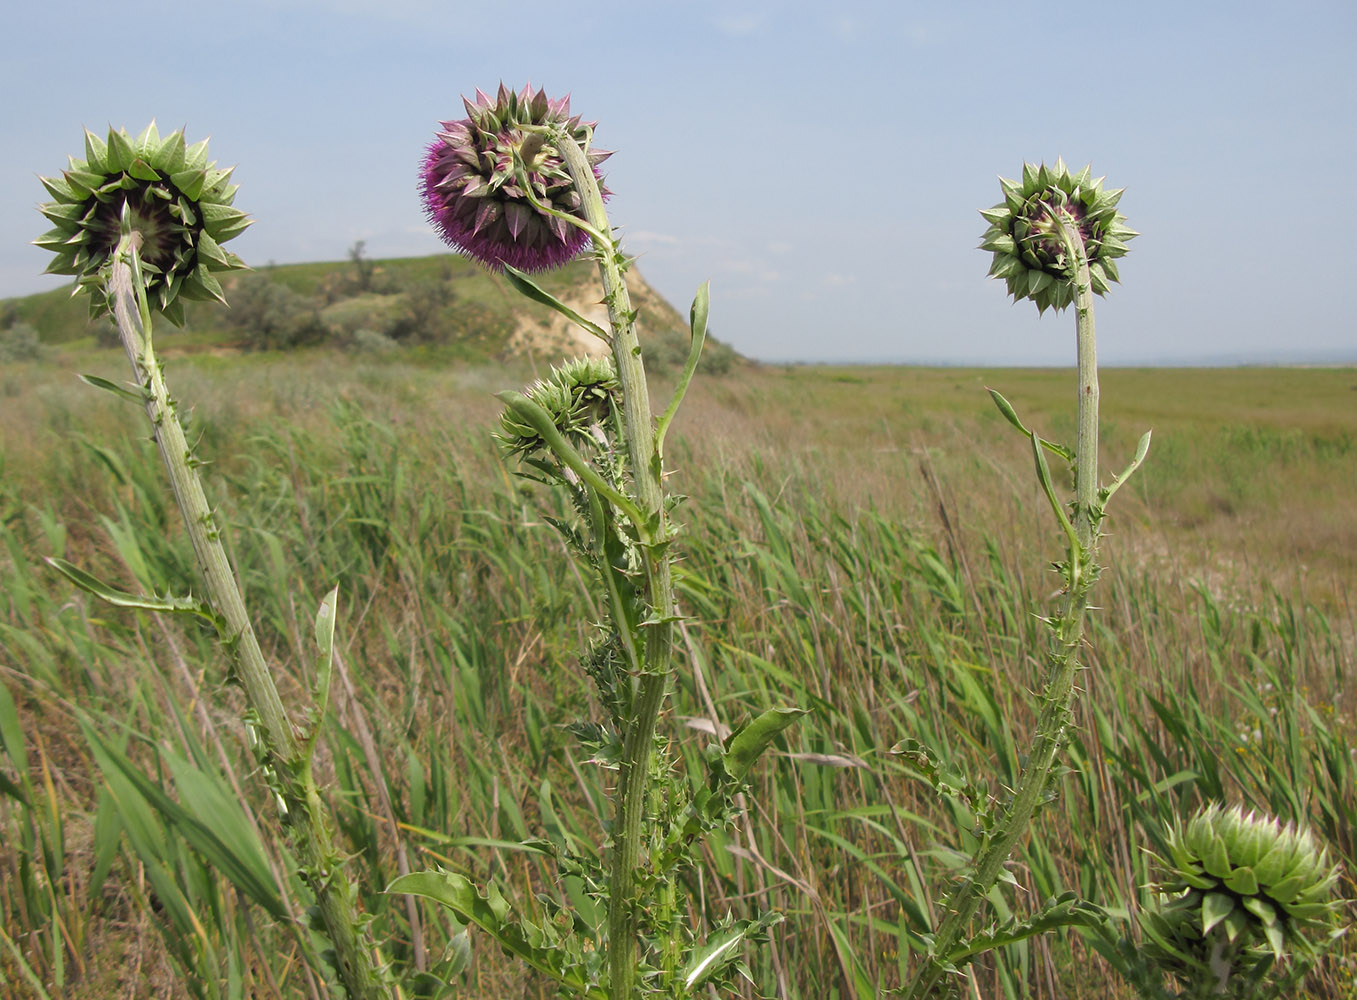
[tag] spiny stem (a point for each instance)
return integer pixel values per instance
(304, 814)
(1062, 655)
(638, 740)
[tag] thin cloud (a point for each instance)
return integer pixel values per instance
(739, 25)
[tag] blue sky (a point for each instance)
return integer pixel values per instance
(822, 164)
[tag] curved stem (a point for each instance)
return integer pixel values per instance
(284, 753)
(1062, 654)
(638, 740)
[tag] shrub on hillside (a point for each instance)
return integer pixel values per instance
(19, 342)
(272, 315)
(422, 313)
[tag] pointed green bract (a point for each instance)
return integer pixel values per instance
(162, 189)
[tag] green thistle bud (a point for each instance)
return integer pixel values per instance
(1241, 889)
(581, 394)
(1024, 236)
(163, 190)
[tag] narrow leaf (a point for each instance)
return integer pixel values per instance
(697, 327)
(1006, 408)
(526, 286)
(123, 599)
(102, 383)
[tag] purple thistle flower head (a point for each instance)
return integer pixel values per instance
(472, 188)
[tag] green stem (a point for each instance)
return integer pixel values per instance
(638, 740)
(1062, 655)
(284, 752)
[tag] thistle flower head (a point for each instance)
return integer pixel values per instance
(1024, 235)
(1238, 883)
(580, 394)
(165, 191)
(478, 172)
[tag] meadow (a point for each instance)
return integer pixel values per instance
(864, 543)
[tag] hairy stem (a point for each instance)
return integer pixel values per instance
(283, 751)
(638, 740)
(1062, 654)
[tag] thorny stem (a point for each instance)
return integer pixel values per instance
(1062, 653)
(284, 754)
(638, 740)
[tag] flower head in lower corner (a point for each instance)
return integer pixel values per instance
(1239, 889)
(162, 189)
(473, 176)
(1024, 235)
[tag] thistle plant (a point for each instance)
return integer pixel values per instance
(493, 185)
(1241, 894)
(1051, 234)
(139, 223)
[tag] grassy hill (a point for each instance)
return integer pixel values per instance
(377, 306)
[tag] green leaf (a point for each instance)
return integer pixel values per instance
(697, 336)
(1065, 910)
(746, 743)
(1006, 408)
(1215, 857)
(1044, 478)
(59, 188)
(123, 599)
(539, 420)
(526, 286)
(12, 733)
(209, 818)
(1142, 449)
(211, 250)
(99, 382)
(147, 141)
(490, 912)
(721, 948)
(325, 657)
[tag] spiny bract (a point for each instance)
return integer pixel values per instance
(1024, 237)
(477, 174)
(162, 189)
(580, 394)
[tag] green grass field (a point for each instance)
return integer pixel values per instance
(865, 543)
